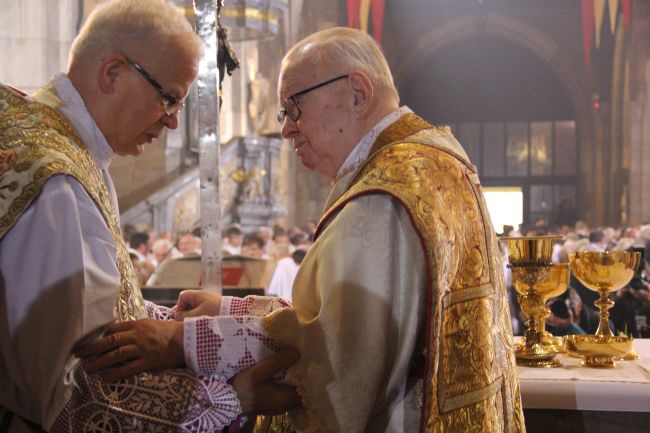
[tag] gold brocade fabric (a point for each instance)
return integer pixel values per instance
(36, 142)
(471, 383)
(274, 424)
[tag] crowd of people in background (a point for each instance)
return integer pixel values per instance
(574, 311)
(286, 246)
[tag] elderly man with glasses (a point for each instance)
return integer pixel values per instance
(400, 310)
(65, 272)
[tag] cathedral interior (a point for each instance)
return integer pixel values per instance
(550, 108)
(550, 100)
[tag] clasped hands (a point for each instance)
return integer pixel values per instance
(132, 347)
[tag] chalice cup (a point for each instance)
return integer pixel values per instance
(603, 272)
(556, 284)
(533, 275)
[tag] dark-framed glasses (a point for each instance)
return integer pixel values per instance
(292, 109)
(171, 104)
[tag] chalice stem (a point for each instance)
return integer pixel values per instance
(604, 304)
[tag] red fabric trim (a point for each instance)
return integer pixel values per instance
(15, 89)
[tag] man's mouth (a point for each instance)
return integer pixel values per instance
(151, 137)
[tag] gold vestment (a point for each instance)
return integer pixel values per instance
(471, 382)
(36, 142)
(465, 356)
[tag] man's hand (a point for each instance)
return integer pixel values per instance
(128, 348)
(195, 303)
(256, 391)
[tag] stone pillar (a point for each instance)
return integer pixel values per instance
(35, 37)
(638, 122)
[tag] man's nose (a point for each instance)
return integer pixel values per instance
(170, 120)
(289, 127)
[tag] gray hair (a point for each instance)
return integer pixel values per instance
(350, 48)
(137, 24)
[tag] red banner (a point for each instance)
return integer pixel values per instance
(626, 6)
(378, 18)
(355, 19)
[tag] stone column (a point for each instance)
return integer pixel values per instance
(637, 134)
(35, 37)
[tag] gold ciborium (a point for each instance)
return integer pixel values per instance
(534, 278)
(604, 273)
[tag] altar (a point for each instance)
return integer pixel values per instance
(575, 399)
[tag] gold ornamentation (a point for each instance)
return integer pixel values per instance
(471, 379)
(603, 272)
(535, 278)
(44, 144)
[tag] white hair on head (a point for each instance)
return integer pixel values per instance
(350, 48)
(136, 25)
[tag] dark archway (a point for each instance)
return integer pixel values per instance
(485, 78)
(510, 111)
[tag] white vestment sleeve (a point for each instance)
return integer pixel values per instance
(357, 312)
(59, 283)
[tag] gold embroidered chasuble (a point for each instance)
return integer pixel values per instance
(466, 358)
(36, 142)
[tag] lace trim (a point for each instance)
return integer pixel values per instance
(169, 400)
(225, 345)
(159, 312)
(258, 306)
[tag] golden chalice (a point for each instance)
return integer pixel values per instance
(604, 273)
(556, 284)
(535, 278)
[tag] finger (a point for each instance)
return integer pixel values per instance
(187, 299)
(109, 359)
(275, 364)
(117, 327)
(104, 344)
(181, 315)
(125, 371)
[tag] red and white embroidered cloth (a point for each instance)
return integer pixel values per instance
(232, 341)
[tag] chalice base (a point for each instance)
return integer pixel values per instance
(552, 344)
(599, 361)
(632, 356)
(535, 355)
(599, 351)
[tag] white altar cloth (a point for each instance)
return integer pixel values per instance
(625, 388)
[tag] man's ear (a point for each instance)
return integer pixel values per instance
(109, 71)
(362, 91)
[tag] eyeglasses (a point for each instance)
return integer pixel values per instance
(171, 104)
(292, 109)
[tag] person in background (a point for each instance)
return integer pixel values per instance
(253, 247)
(287, 268)
(232, 240)
(162, 250)
(189, 245)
